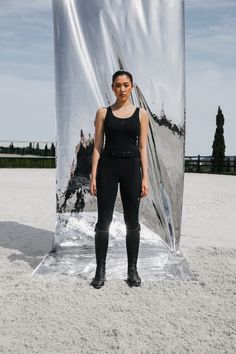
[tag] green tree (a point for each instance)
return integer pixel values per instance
(46, 150)
(11, 148)
(29, 149)
(52, 150)
(218, 146)
(37, 150)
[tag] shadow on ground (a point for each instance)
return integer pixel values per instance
(33, 243)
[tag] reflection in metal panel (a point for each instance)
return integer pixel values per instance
(93, 39)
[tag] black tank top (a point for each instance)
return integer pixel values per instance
(121, 134)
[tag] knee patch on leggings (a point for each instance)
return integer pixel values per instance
(138, 228)
(104, 229)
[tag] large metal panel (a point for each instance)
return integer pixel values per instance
(93, 39)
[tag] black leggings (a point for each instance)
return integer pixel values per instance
(127, 172)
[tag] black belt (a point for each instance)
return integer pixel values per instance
(121, 154)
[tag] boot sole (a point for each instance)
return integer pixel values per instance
(98, 286)
(130, 283)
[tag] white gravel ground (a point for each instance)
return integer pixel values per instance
(63, 314)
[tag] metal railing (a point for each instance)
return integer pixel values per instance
(206, 164)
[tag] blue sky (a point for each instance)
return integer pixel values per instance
(210, 72)
(27, 107)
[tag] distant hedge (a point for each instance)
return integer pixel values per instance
(24, 162)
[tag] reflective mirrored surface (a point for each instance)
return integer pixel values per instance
(93, 39)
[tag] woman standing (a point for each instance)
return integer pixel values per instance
(123, 161)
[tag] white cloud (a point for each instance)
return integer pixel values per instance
(213, 39)
(210, 4)
(26, 39)
(210, 73)
(24, 6)
(27, 109)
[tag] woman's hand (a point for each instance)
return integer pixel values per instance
(93, 188)
(145, 188)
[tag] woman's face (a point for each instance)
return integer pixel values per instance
(122, 87)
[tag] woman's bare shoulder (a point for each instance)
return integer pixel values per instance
(101, 114)
(143, 114)
(143, 110)
(102, 109)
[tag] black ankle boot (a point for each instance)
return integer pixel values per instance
(101, 245)
(132, 247)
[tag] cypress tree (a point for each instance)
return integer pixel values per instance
(30, 148)
(52, 149)
(46, 150)
(11, 148)
(218, 146)
(37, 150)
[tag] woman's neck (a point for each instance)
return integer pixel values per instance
(126, 105)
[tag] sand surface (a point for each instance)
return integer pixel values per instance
(63, 314)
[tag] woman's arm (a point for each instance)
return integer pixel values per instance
(98, 144)
(144, 127)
